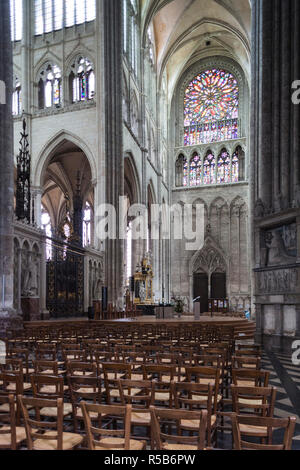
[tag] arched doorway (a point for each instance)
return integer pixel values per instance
(68, 208)
(208, 269)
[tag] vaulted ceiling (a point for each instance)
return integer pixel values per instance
(188, 30)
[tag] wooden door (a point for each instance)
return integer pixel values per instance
(201, 289)
(218, 286)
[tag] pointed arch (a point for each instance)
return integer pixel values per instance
(49, 149)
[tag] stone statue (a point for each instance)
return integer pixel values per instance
(259, 210)
(31, 278)
(142, 293)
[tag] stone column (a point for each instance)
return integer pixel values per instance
(7, 312)
(275, 138)
(111, 12)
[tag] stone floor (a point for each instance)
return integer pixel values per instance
(286, 378)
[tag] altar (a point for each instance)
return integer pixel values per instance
(143, 284)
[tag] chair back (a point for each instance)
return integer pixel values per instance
(272, 424)
(8, 419)
(163, 420)
(35, 427)
(123, 435)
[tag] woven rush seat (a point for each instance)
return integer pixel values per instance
(115, 393)
(168, 446)
(113, 376)
(110, 442)
(5, 439)
(52, 412)
(139, 418)
(204, 398)
(70, 440)
(244, 401)
(137, 376)
(245, 383)
(12, 387)
(161, 396)
(253, 430)
(93, 415)
(194, 423)
(51, 389)
(82, 374)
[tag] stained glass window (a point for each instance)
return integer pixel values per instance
(195, 170)
(211, 108)
(87, 222)
(235, 166)
(83, 78)
(224, 167)
(209, 169)
(46, 226)
(17, 99)
(50, 87)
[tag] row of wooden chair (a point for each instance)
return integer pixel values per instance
(50, 435)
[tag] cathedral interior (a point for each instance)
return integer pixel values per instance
(123, 122)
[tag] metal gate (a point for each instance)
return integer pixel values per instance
(65, 282)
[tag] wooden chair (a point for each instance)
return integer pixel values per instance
(252, 352)
(195, 397)
(84, 388)
(206, 376)
(50, 388)
(46, 354)
(163, 377)
(247, 362)
(75, 368)
(23, 355)
(109, 439)
(267, 426)
(11, 436)
(250, 378)
(161, 419)
(46, 368)
(47, 435)
(113, 371)
(257, 401)
(73, 355)
(141, 400)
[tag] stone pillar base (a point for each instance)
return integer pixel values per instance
(31, 309)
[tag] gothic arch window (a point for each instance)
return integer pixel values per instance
(47, 227)
(211, 108)
(238, 165)
(50, 87)
(82, 80)
(16, 19)
(209, 169)
(17, 99)
(224, 167)
(87, 225)
(53, 15)
(134, 112)
(195, 170)
(182, 171)
(129, 251)
(131, 32)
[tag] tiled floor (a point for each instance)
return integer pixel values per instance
(286, 378)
